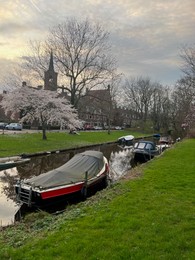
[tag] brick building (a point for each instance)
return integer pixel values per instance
(96, 107)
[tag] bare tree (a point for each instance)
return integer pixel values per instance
(82, 55)
(183, 97)
(182, 100)
(188, 56)
(114, 86)
(188, 68)
(46, 107)
(160, 109)
(139, 93)
(35, 60)
(15, 78)
(189, 121)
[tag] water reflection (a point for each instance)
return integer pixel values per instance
(120, 163)
(119, 160)
(8, 205)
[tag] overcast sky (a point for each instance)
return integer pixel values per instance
(146, 35)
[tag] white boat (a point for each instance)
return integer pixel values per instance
(126, 141)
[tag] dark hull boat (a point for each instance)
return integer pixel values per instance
(10, 162)
(145, 150)
(142, 156)
(84, 171)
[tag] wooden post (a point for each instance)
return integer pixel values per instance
(84, 189)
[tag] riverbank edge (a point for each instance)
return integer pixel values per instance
(26, 155)
(77, 212)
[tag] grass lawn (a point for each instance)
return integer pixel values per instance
(149, 217)
(16, 144)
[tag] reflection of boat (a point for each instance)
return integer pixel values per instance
(126, 140)
(85, 170)
(10, 162)
(145, 150)
(120, 163)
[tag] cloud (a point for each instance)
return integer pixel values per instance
(145, 35)
(7, 66)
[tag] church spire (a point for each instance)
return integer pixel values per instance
(50, 79)
(51, 67)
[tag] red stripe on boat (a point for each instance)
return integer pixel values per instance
(61, 192)
(71, 189)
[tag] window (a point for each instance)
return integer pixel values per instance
(149, 147)
(141, 145)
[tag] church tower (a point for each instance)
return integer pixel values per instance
(50, 79)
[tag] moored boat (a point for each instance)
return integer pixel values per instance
(145, 150)
(126, 141)
(82, 172)
(156, 136)
(10, 162)
(165, 140)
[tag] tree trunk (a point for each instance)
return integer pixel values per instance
(44, 133)
(109, 125)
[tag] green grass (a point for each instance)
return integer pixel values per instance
(30, 143)
(150, 217)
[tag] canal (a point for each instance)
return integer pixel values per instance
(119, 161)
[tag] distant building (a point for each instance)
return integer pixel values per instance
(124, 117)
(96, 107)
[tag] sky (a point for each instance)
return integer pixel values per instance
(146, 36)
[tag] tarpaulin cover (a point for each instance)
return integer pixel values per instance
(71, 172)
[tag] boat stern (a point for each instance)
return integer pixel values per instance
(27, 194)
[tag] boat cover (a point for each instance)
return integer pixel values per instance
(127, 137)
(73, 171)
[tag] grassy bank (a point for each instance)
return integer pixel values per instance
(149, 217)
(30, 143)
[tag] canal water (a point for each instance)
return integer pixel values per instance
(118, 157)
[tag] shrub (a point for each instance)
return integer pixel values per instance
(191, 133)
